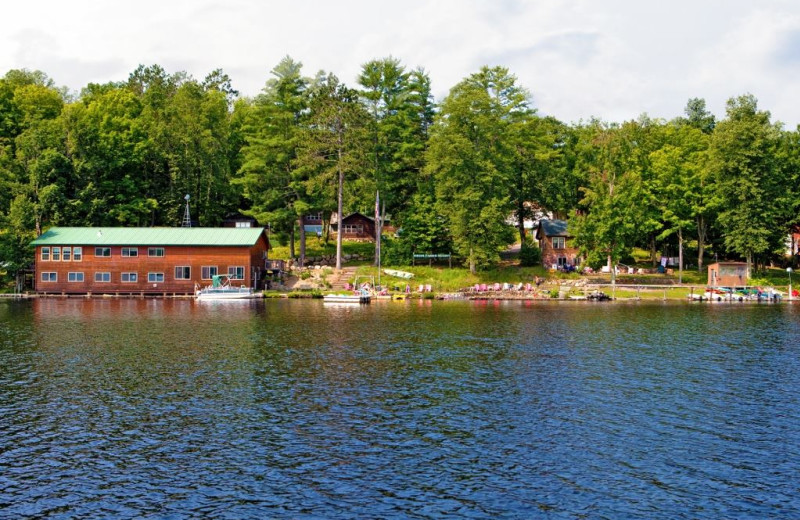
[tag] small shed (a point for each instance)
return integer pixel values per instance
(728, 274)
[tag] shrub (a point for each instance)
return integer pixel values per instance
(529, 255)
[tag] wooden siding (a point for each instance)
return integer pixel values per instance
(366, 231)
(195, 257)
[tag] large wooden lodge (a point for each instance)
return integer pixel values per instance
(109, 260)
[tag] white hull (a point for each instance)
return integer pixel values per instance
(345, 298)
(225, 295)
(399, 274)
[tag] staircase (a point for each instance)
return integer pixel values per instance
(340, 279)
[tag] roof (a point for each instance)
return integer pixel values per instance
(554, 228)
(154, 236)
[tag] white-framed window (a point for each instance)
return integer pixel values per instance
(49, 277)
(155, 251)
(66, 253)
(208, 271)
(45, 254)
(102, 251)
(236, 272)
(129, 277)
(102, 276)
(559, 242)
(562, 261)
(243, 224)
(75, 277)
(155, 277)
(56, 253)
(314, 217)
(353, 228)
(130, 251)
(77, 254)
(183, 272)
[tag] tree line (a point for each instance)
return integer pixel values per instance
(450, 174)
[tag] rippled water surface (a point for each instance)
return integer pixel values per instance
(297, 409)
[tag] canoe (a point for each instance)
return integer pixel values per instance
(398, 274)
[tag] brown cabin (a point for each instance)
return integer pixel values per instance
(728, 274)
(356, 226)
(554, 244)
(147, 260)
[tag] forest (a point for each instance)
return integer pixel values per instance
(450, 174)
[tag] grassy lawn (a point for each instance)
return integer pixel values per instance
(315, 247)
(445, 279)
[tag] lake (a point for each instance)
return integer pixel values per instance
(298, 409)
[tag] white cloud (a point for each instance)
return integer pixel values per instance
(579, 58)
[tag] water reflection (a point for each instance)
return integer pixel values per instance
(397, 409)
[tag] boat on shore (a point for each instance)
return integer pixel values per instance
(221, 289)
(398, 274)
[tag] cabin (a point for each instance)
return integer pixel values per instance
(554, 243)
(115, 260)
(237, 220)
(728, 274)
(313, 223)
(356, 226)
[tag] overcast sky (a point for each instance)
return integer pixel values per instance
(613, 59)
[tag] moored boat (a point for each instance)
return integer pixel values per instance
(360, 296)
(221, 289)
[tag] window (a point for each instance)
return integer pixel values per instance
(129, 277)
(243, 224)
(155, 251)
(236, 272)
(74, 277)
(155, 277)
(562, 261)
(56, 254)
(102, 251)
(208, 271)
(183, 272)
(66, 254)
(130, 251)
(45, 254)
(103, 277)
(559, 242)
(77, 254)
(49, 277)
(353, 228)
(314, 217)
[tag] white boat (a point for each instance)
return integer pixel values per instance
(362, 296)
(399, 274)
(221, 289)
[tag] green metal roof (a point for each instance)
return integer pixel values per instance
(155, 236)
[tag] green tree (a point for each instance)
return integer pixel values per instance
(612, 199)
(743, 162)
(269, 174)
(334, 143)
(472, 161)
(682, 188)
(400, 105)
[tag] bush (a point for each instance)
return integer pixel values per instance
(529, 255)
(305, 275)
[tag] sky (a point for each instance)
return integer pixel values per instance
(610, 59)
